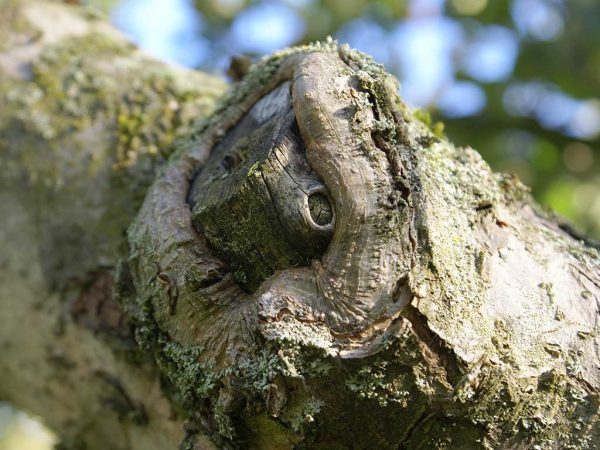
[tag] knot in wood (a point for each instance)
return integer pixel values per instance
(320, 209)
(257, 201)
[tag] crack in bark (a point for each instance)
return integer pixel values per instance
(423, 417)
(439, 354)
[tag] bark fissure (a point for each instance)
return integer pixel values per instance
(436, 348)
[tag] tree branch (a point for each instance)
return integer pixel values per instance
(85, 120)
(432, 306)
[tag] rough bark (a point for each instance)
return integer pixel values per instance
(313, 267)
(85, 120)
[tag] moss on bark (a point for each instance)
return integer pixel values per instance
(493, 345)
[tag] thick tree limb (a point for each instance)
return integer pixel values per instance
(84, 120)
(313, 267)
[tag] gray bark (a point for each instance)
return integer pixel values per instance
(313, 267)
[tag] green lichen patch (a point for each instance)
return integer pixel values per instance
(371, 382)
(150, 116)
(97, 82)
(437, 128)
(71, 92)
(91, 104)
(540, 411)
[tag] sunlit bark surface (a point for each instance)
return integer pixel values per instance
(313, 267)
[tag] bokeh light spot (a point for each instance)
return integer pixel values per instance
(492, 54)
(585, 123)
(423, 49)
(578, 157)
(266, 27)
(367, 36)
(462, 99)
(166, 30)
(469, 7)
(229, 8)
(23, 432)
(539, 19)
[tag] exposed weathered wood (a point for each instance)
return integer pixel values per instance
(257, 184)
(446, 310)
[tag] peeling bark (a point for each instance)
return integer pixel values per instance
(312, 268)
